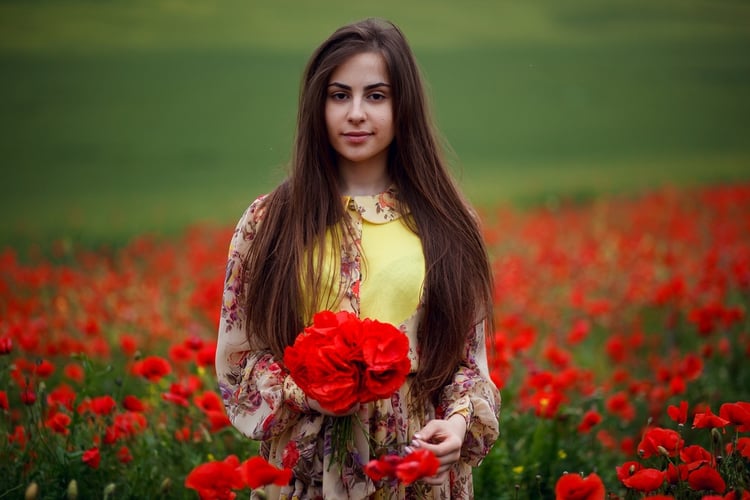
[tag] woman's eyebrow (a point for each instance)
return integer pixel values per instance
(367, 87)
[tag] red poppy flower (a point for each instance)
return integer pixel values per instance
(679, 415)
(59, 423)
(627, 469)
(708, 420)
(132, 403)
(44, 368)
(4, 401)
(416, 465)
(575, 487)
(92, 457)
(124, 456)
(645, 480)
(706, 478)
(656, 437)
(103, 405)
(216, 480)
(589, 420)
(676, 474)
(384, 467)
(209, 401)
(695, 453)
(28, 396)
(217, 420)
(152, 368)
(257, 472)
(6, 345)
(74, 372)
(738, 414)
(743, 447)
(385, 353)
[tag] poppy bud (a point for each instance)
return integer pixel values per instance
(72, 490)
(109, 490)
(166, 485)
(716, 437)
(662, 451)
(32, 491)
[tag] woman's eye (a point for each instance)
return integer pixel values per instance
(338, 96)
(377, 96)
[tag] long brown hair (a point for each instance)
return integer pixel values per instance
(280, 263)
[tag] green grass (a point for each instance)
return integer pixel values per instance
(123, 117)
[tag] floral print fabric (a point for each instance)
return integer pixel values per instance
(264, 403)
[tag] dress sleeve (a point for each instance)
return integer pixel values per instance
(473, 395)
(260, 397)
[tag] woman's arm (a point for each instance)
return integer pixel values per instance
(260, 397)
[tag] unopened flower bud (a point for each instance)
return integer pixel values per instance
(72, 490)
(716, 437)
(662, 451)
(32, 491)
(166, 485)
(109, 490)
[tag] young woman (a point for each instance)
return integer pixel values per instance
(368, 221)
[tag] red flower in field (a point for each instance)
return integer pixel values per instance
(179, 353)
(416, 465)
(575, 487)
(691, 367)
(132, 403)
(619, 405)
(4, 401)
(657, 437)
(124, 456)
(207, 355)
(579, 331)
(627, 469)
(44, 368)
(103, 405)
(708, 420)
(645, 480)
(216, 480)
(706, 478)
(257, 472)
(6, 345)
(217, 420)
(589, 420)
(695, 453)
(59, 423)
(92, 457)
(74, 372)
(152, 368)
(385, 353)
(743, 447)
(128, 344)
(28, 396)
(676, 474)
(18, 437)
(737, 414)
(546, 403)
(175, 398)
(679, 415)
(209, 401)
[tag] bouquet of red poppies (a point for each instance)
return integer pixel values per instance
(341, 360)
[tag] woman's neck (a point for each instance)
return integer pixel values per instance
(361, 180)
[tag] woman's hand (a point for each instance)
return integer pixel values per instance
(315, 406)
(444, 438)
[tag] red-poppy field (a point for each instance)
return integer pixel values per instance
(621, 347)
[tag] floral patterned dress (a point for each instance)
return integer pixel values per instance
(264, 403)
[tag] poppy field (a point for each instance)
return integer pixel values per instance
(621, 348)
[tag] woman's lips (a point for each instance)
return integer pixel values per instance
(356, 137)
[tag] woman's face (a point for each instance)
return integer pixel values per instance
(359, 111)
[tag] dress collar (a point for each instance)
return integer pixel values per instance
(376, 208)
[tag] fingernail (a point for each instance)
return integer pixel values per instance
(417, 436)
(408, 449)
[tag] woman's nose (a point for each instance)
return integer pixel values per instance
(356, 112)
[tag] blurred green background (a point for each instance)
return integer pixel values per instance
(118, 117)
